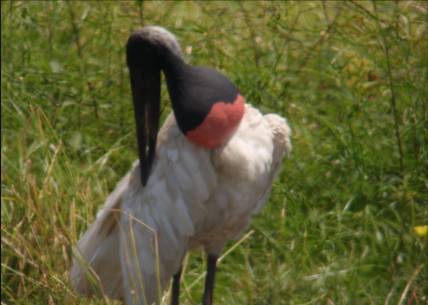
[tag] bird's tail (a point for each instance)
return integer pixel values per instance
(96, 261)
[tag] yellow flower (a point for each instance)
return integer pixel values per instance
(421, 230)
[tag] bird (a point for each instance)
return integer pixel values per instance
(197, 183)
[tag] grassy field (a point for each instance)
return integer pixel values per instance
(351, 77)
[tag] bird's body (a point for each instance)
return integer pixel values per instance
(195, 196)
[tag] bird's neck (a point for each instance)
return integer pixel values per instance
(172, 64)
(207, 106)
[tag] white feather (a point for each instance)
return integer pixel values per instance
(194, 197)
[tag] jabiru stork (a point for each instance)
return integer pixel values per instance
(197, 183)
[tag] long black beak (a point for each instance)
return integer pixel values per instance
(144, 69)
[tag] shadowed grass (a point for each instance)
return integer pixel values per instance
(351, 77)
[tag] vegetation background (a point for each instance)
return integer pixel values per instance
(351, 77)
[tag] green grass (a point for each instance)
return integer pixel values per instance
(351, 77)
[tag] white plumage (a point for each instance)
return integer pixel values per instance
(194, 197)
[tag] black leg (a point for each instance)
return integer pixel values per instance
(209, 280)
(176, 288)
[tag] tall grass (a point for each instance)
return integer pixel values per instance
(351, 77)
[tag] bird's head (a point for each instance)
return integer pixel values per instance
(207, 106)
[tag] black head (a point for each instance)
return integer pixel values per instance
(194, 91)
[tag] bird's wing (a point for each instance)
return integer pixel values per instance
(158, 221)
(140, 235)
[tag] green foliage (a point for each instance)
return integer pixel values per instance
(351, 77)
